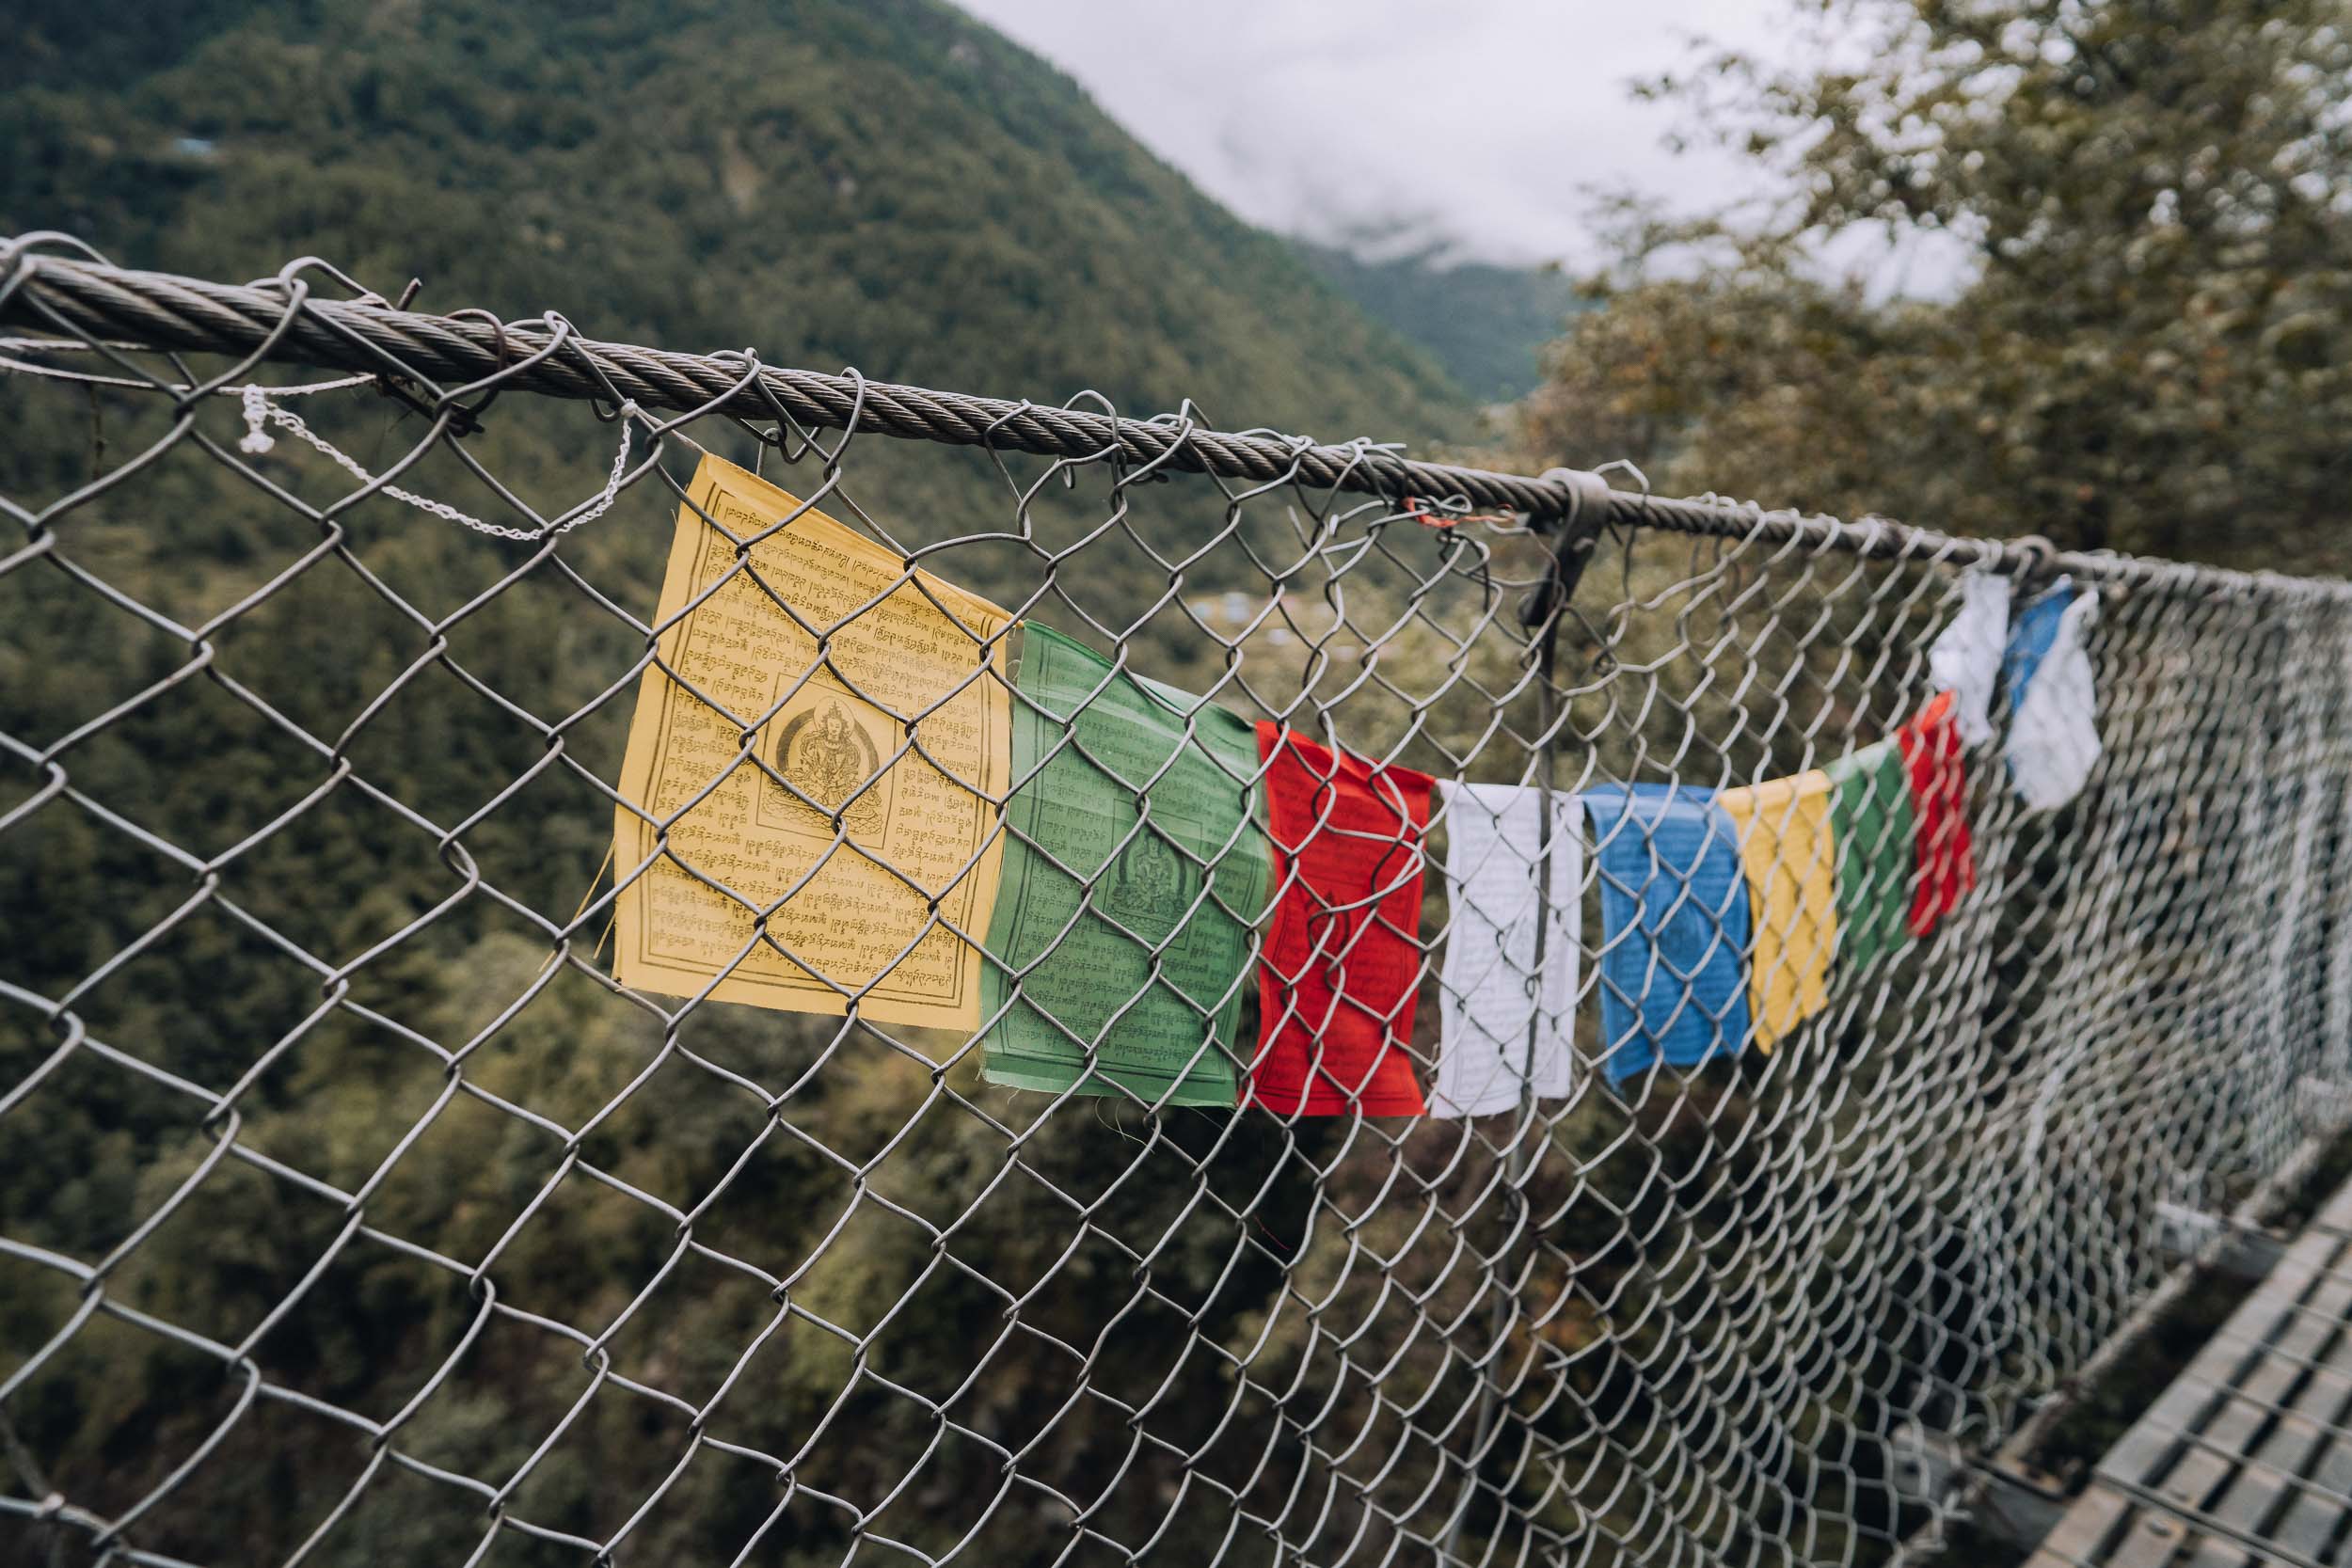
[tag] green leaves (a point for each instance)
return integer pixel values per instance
(2148, 348)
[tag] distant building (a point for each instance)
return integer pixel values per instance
(1232, 608)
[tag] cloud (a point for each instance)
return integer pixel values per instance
(1482, 126)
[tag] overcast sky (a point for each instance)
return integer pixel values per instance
(1483, 123)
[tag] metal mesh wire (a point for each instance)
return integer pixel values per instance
(354, 1213)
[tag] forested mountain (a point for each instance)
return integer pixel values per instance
(891, 185)
(361, 742)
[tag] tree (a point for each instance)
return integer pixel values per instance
(2147, 349)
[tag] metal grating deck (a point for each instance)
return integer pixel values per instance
(2247, 1459)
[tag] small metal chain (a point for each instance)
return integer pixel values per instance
(261, 411)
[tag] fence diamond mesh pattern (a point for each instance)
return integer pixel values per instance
(356, 1212)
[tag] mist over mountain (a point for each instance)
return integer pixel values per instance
(1484, 321)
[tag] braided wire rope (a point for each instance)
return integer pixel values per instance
(93, 301)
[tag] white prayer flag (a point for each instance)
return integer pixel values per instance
(1966, 657)
(1488, 997)
(2054, 731)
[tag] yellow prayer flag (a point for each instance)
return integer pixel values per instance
(829, 813)
(1788, 853)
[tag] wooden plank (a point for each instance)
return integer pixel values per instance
(2087, 1530)
(2252, 1443)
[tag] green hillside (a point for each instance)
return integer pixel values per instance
(881, 185)
(887, 184)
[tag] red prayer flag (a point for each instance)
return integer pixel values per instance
(1939, 812)
(1340, 963)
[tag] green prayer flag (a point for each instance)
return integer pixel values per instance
(1870, 815)
(1165, 829)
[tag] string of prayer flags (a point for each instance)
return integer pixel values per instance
(1790, 860)
(1965, 658)
(1341, 957)
(2054, 733)
(811, 823)
(1675, 920)
(837, 855)
(1946, 856)
(1506, 1011)
(1870, 818)
(1134, 872)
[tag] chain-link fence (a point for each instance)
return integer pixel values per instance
(560, 1007)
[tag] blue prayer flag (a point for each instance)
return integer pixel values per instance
(2053, 697)
(1674, 922)
(2030, 637)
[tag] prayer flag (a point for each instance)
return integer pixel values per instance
(2054, 733)
(1674, 915)
(1135, 872)
(1506, 1018)
(843, 848)
(1790, 861)
(1939, 812)
(1342, 958)
(2032, 637)
(1966, 658)
(1871, 819)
